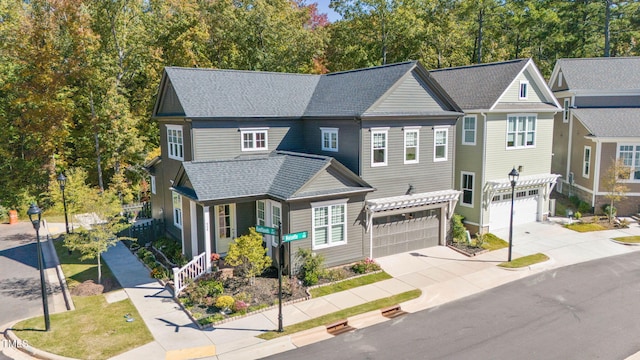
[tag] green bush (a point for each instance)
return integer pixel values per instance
(480, 239)
(578, 215)
(459, 231)
(335, 274)
(213, 287)
(311, 266)
(365, 266)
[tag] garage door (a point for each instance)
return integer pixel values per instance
(525, 209)
(395, 234)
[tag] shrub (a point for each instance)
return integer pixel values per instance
(480, 239)
(224, 302)
(584, 207)
(196, 293)
(248, 255)
(240, 307)
(159, 272)
(365, 266)
(459, 231)
(213, 287)
(335, 274)
(311, 266)
(578, 215)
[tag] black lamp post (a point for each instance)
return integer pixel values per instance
(35, 215)
(62, 181)
(513, 177)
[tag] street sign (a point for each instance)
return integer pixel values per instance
(266, 230)
(295, 236)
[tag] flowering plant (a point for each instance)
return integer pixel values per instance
(215, 257)
(365, 266)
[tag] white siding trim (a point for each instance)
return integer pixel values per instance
(462, 188)
(523, 90)
(464, 130)
(384, 131)
(436, 130)
(415, 130)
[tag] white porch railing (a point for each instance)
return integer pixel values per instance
(193, 270)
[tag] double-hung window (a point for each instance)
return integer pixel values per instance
(177, 210)
(524, 89)
(254, 139)
(467, 188)
(565, 110)
(411, 144)
(329, 139)
(174, 142)
(521, 131)
(379, 145)
(329, 221)
(586, 161)
(440, 137)
(469, 130)
(630, 155)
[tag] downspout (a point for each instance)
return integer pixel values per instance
(596, 173)
(484, 164)
(569, 154)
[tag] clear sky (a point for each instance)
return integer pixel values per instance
(323, 7)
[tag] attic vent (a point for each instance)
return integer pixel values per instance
(560, 79)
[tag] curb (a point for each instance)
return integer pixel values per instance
(30, 350)
(61, 279)
(536, 266)
(625, 243)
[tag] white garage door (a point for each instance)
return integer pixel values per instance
(405, 232)
(525, 209)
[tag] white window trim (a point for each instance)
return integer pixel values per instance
(177, 216)
(535, 132)
(475, 129)
(329, 204)
(473, 185)
(633, 158)
(254, 131)
(412, 129)
(446, 145)
(526, 90)
(325, 130)
(384, 131)
(170, 150)
(586, 163)
(153, 184)
(565, 110)
(559, 79)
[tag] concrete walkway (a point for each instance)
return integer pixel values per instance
(441, 273)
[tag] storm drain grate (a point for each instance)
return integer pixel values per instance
(392, 311)
(339, 327)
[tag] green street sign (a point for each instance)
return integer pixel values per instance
(295, 236)
(266, 230)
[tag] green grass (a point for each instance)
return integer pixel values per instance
(628, 239)
(525, 261)
(342, 314)
(95, 329)
(492, 242)
(585, 227)
(349, 284)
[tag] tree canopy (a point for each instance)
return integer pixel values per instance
(78, 78)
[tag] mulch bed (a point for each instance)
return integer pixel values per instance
(90, 288)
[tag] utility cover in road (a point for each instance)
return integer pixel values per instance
(266, 230)
(295, 236)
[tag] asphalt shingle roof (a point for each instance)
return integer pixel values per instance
(601, 73)
(478, 86)
(234, 93)
(610, 122)
(281, 175)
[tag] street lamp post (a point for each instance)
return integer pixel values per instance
(35, 215)
(62, 181)
(513, 177)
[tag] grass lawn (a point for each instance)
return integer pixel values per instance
(492, 242)
(525, 261)
(95, 329)
(342, 314)
(628, 239)
(349, 284)
(585, 227)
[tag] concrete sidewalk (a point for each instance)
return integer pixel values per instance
(441, 273)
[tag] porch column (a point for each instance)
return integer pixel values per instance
(194, 229)
(207, 236)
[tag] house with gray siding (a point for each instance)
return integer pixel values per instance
(361, 160)
(599, 124)
(507, 123)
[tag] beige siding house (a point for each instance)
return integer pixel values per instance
(508, 123)
(599, 124)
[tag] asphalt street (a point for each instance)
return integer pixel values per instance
(585, 311)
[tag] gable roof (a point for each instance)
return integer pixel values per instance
(482, 86)
(212, 93)
(600, 74)
(610, 122)
(280, 175)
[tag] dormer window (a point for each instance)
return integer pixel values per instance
(254, 139)
(524, 88)
(329, 139)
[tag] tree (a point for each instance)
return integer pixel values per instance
(613, 185)
(247, 253)
(103, 235)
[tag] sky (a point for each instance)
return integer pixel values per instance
(323, 7)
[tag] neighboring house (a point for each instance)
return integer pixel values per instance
(507, 123)
(600, 123)
(362, 160)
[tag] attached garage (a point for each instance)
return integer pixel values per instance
(393, 234)
(525, 209)
(408, 222)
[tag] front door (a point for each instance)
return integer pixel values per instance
(225, 226)
(269, 213)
